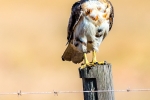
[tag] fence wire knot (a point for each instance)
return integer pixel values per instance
(92, 90)
(128, 90)
(19, 93)
(55, 92)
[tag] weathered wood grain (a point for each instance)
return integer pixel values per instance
(98, 77)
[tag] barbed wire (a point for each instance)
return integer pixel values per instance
(19, 93)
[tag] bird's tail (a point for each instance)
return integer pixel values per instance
(73, 55)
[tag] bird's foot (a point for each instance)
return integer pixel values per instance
(86, 65)
(98, 63)
(91, 64)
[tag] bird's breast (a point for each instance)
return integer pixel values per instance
(95, 11)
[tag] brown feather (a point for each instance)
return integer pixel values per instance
(74, 19)
(111, 16)
(73, 55)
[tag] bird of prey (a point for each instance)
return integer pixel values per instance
(89, 24)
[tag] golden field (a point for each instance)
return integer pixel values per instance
(33, 37)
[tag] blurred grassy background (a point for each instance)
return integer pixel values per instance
(33, 37)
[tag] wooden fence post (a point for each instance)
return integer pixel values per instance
(98, 77)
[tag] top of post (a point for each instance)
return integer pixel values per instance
(95, 71)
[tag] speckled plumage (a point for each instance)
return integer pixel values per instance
(89, 24)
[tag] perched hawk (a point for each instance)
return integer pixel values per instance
(89, 24)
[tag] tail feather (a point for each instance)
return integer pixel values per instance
(73, 55)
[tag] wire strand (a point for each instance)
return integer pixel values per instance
(19, 93)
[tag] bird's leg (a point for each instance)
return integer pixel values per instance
(94, 60)
(86, 62)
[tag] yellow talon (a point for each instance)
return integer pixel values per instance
(86, 62)
(94, 60)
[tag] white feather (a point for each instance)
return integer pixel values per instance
(87, 29)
